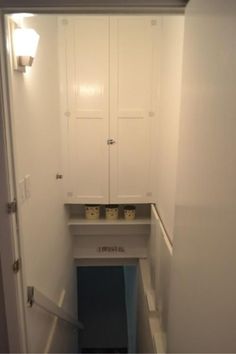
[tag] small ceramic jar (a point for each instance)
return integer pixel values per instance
(129, 212)
(92, 212)
(112, 212)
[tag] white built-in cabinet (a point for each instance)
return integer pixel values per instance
(109, 93)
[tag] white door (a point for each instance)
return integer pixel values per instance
(85, 108)
(133, 96)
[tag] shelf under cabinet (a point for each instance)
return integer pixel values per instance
(80, 221)
(103, 238)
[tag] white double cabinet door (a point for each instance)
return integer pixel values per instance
(109, 86)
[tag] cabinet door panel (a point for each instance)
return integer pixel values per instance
(87, 169)
(132, 76)
(87, 55)
(91, 66)
(131, 157)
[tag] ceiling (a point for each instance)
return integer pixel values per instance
(94, 3)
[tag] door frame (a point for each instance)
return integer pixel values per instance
(13, 284)
(13, 289)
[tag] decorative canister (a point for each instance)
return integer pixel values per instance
(129, 212)
(92, 211)
(112, 212)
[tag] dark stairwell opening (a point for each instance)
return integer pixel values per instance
(107, 308)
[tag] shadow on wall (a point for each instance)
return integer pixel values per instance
(3, 324)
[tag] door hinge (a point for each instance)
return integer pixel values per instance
(16, 266)
(12, 207)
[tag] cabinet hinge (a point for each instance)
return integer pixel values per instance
(64, 22)
(16, 266)
(12, 207)
(110, 141)
(67, 114)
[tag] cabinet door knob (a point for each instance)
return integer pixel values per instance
(110, 142)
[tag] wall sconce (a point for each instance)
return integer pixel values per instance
(25, 43)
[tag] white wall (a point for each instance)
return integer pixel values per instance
(202, 308)
(167, 129)
(45, 241)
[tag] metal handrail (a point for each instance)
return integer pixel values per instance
(35, 297)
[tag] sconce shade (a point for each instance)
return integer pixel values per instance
(25, 45)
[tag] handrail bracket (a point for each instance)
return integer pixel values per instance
(30, 296)
(35, 297)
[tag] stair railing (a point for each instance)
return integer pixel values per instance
(163, 230)
(35, 297)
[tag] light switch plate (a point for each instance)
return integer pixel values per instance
(27, 187)
(22, 190)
